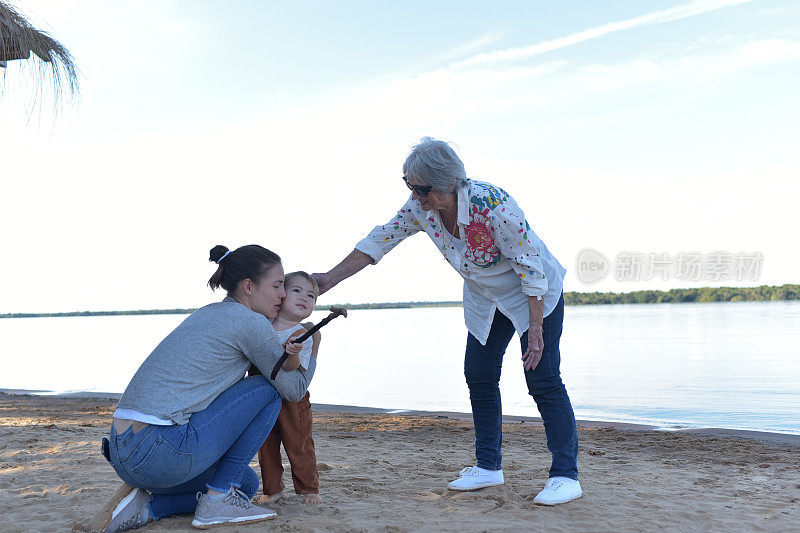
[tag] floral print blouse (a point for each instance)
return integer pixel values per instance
(499, 256)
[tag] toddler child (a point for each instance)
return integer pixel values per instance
(293, 426)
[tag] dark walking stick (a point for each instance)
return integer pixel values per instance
(335, 311)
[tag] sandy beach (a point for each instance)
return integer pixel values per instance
(388, 472)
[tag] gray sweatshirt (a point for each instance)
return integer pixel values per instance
(206, 354)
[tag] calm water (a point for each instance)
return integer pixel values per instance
(731, 365)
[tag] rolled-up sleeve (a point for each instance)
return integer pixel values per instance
(514, 238)
(382, 239)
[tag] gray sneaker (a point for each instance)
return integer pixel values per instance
(233, 507)
(131, 512)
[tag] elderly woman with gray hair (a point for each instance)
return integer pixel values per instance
(511, 283)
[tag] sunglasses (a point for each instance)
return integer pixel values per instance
(421, 190)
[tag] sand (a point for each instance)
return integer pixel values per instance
(388, 472)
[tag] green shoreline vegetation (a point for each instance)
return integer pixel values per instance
(700, 295)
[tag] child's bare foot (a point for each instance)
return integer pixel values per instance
(269, 499)
(312, 498)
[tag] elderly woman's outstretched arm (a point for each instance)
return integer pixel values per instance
(380, 241)
(353, 263)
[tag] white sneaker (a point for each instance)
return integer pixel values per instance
(132, 512)
(559, 490)
(475, 477)
(233, 507)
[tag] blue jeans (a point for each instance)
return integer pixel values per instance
(213, 450)
(482, 365)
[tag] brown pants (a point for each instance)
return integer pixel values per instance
(293, 428)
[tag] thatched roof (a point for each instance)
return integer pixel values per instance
(18, 39)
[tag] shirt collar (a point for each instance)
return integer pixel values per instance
(463, 204)
(462, 199)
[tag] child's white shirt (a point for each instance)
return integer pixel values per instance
(305, 353)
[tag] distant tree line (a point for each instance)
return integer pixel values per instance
(703, 294)
(101, 313)
(391, 305)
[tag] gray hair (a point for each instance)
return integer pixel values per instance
(436, 164)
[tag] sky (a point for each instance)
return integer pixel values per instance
(623, 127)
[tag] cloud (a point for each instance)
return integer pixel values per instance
(766, 51)
(667, 15)
(466, 48)
(694, 70)
(780, 11)
(442, 98)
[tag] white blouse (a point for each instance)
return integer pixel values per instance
(499, 256)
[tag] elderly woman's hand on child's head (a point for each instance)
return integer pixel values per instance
(324, 280)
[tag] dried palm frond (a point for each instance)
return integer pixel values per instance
(18, 39)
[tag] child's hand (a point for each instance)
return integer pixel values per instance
(291, 347)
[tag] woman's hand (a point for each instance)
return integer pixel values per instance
(533, 354)
(324, 280)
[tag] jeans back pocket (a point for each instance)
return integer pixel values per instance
(163, 466)
(122, 439)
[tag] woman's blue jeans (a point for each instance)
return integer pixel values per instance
(213, 450)
(482, 365)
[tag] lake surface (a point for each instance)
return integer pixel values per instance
(730, 365)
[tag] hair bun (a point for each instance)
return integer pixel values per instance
(217, 252)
